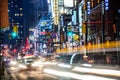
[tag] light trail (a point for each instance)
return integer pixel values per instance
(74, 75)
(98, 71)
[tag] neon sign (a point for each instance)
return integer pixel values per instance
(106, 4)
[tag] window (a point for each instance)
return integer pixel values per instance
(21, 9)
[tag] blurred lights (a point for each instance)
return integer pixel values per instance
(49, 63)
(107, 46)
(106, 4)
(65, 65)
(13, 62)
(98, 71)
(74, 75)
(22, 66)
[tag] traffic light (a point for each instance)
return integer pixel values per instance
(13, 34)
(70, 33)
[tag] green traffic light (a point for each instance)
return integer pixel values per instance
(13, 34)
(70, 33)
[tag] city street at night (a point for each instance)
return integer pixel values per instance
(76, 73)
(59, 40)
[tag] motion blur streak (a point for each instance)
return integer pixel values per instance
(49, 63)
(64, 65)
(75, 76)
(98, 71)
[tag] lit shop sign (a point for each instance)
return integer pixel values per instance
(56, 12)
(61, 21)
(68, 3)
(88, 7)
(74, 18)
(106, 4)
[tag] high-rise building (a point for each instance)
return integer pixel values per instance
(4, 21)
(16, 20)
(24, 14)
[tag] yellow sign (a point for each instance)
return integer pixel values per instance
(83, 28)
(75, 37)
(15, 29)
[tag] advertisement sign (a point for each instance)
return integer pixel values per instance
(74, 18)
(4, 20)
(68, 3)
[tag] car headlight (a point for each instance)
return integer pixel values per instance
(22, 66)
(13, 62)
(38, 63)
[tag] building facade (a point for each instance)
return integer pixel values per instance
(24, 14)
(100, 18)
(15, 8)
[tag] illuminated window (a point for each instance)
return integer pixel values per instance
(21, 14)
(21, 40)
(17, 24)
(98, 1)
(12, 20)
(21, 9)
(16, 5)
(16, 14)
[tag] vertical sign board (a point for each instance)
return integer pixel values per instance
(4, 20)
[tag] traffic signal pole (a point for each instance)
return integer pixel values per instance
(103, 22)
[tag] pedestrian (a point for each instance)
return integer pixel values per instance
(108, 59)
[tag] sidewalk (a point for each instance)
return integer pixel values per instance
(7, 76)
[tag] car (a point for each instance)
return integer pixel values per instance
(30, 63)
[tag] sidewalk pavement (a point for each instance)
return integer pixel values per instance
(7, 76)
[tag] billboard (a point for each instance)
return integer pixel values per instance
(74, 18)
(4, 20)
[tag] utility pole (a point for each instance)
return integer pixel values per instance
(103, 22)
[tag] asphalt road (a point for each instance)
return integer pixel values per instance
(56, 73)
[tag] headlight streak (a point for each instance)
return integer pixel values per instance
(74, 75)
(98, 71)
(13, 62)
(87, 65)
(22, 66)
(64, 65)
(49, 63)
(39, 63)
